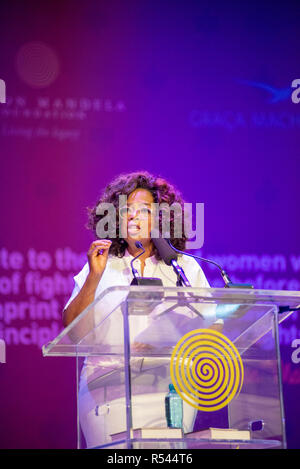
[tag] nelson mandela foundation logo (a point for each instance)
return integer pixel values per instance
(161, 220)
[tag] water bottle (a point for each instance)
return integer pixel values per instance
(174, 408)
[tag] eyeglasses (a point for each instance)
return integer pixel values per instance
(142, 210)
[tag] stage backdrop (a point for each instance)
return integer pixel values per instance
(198, 92)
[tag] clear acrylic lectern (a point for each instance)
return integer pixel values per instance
(132, 342)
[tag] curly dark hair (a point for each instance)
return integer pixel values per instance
(162, 192)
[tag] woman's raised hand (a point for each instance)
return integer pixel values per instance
(98, 255)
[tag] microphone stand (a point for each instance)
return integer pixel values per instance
(142, 280)
(182, 281)
(181, 277)
(225, 276)
(134, 271)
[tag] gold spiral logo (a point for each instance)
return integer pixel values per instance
(206, 369)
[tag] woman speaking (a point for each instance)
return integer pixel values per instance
(101, 401)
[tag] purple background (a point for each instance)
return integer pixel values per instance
(176, 88)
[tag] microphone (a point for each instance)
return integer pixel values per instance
(142, 280)
(143, 302)
(169, 257)
(225, 276)
(134, 271)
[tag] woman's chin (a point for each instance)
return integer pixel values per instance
(133, 237)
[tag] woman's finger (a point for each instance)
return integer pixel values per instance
(101, 244)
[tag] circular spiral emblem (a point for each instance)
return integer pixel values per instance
(206, 369)
(37, 64)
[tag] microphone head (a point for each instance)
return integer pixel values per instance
(165, 250)
(138, 244)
